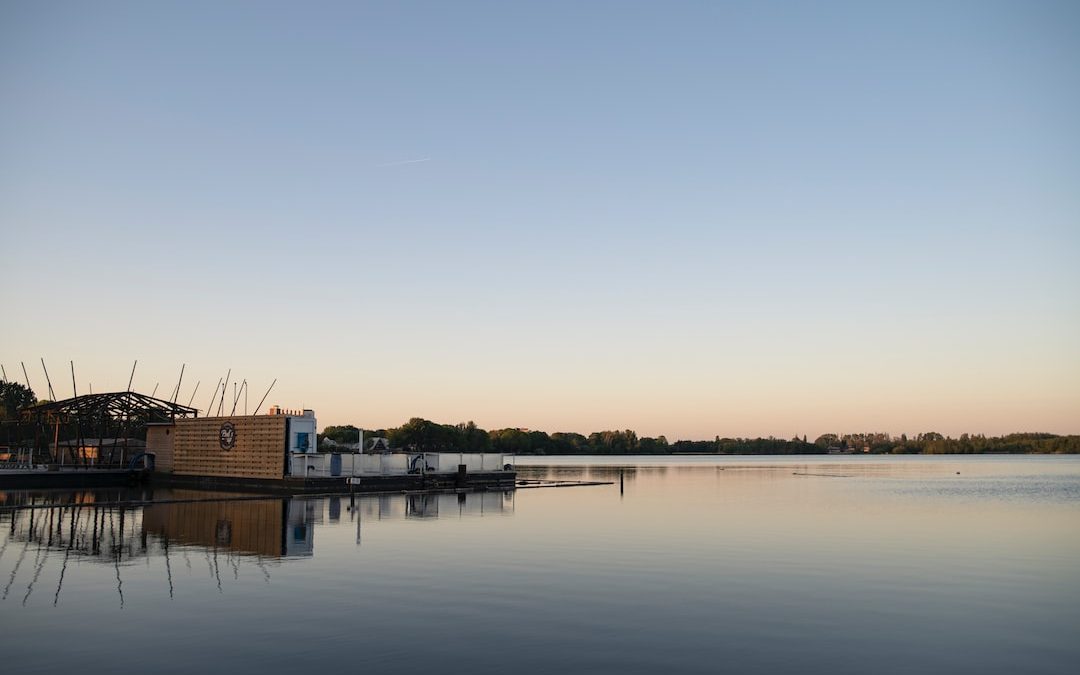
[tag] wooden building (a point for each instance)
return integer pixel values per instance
(277, 452)
(248, 447)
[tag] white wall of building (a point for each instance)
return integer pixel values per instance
(395, 464)
(302, 433)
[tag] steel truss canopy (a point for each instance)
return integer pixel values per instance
(128, 405)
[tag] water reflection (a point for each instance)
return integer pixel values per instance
(81, 530)
(118, 528)
(265, 527)
(845, 565)
(447, 505)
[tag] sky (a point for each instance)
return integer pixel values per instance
(683, 218)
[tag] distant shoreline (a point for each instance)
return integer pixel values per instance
(423, 435)
(791, 454)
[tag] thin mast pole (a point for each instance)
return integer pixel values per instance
(217, 388)
(263, 399)
(132, 378)
(48, 381)
(225, 388)
(193, 393)
(176, 393)
(236, 397)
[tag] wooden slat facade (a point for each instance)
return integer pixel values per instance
(259, 451)
(159, 441)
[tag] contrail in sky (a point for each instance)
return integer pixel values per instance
(405, 161)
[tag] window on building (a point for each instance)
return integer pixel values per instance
(303, 441)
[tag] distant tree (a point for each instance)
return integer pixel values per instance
(653, 446)
(423, 435)
(827, 441)
(614, 442)
(511, 441)
(342, 434)
(473, 438)
(539, 442)
(563, 443)
(12, 397)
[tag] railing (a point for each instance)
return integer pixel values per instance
(323, 465)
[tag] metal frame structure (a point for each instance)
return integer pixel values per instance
(111, 416)
(120, 404)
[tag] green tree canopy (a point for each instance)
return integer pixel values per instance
(827, 441)
(12, 397)
(342, 434)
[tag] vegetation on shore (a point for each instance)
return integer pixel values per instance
(425, 435)
(14, 396)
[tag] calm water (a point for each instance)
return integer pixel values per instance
(831, 565)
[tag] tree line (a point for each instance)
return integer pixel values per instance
(426, 436)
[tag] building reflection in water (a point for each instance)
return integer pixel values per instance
(279, 527)
(443, 505)
(119, 528)
(429, 506)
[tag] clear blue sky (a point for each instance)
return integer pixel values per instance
(686, 218)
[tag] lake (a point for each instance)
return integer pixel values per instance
(844, 564)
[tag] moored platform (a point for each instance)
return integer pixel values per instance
(488, 480)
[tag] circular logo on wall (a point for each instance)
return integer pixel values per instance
(227, 436)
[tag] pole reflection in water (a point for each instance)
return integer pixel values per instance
(119, 529)
(765, 564)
